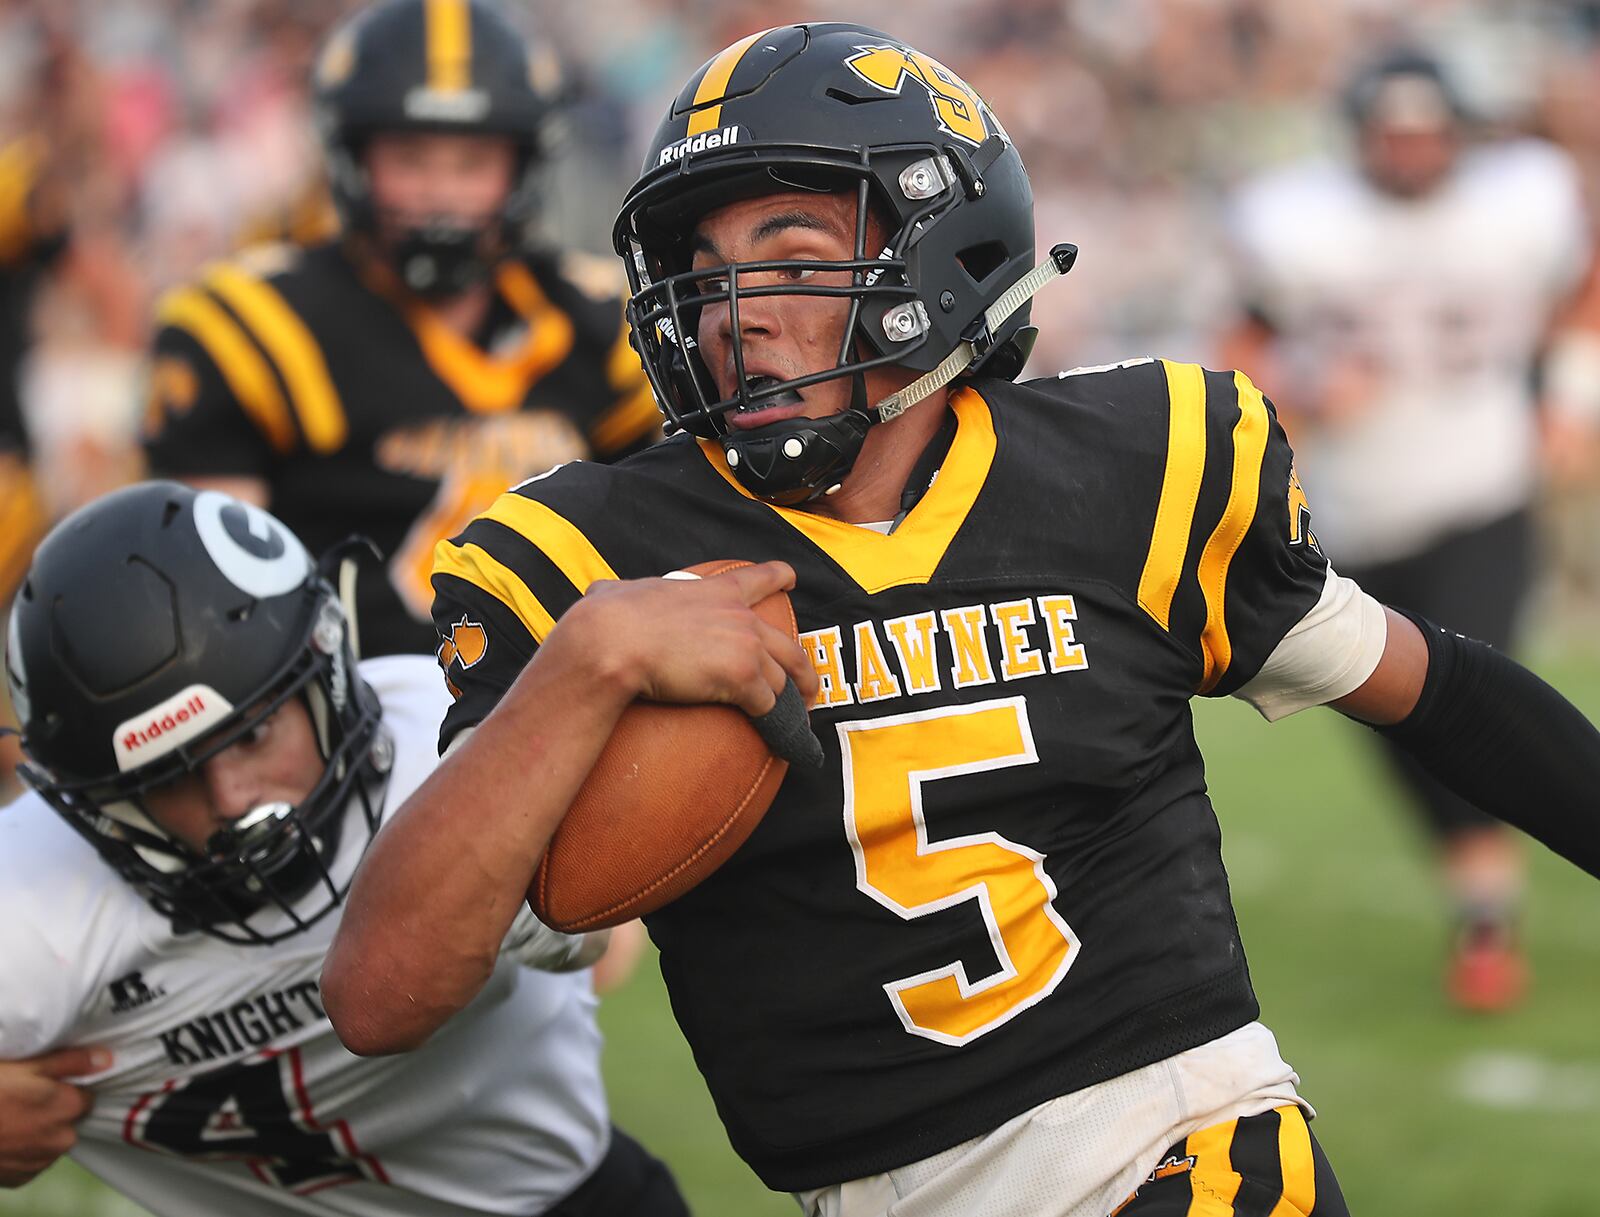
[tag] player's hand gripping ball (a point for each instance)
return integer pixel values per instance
(676, 790)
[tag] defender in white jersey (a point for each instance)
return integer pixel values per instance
(194, 718)
(1400, 301)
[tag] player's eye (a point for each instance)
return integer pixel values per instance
(796, 274)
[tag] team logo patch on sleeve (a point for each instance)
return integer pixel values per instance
(467, 643)
(1300, 515)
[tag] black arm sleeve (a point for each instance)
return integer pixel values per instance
(1504, 740)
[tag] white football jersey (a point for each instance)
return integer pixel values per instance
(229, 1092)
(1443, 302)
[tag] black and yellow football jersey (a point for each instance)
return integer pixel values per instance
(364, 413)
(27, 251)
(1006, 883)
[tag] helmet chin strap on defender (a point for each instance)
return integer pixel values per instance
(974, 348)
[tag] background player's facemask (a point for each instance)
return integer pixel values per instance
(444, 256)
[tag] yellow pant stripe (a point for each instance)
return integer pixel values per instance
(1249, 450)
(1180, 490)
(478, 567)
(1299, 1167)
(1214, 1181)
(286, 339)
(449, 33)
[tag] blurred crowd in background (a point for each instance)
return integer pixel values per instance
(141, 138)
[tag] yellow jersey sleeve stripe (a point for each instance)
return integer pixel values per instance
(284, 336)
(449, 35)
(475, 565)
(1213, 1180)
(1298, 1165)
(244, 369)
(1249, 450)
(714, 84)
(632, 418)
(554, 536)
(1180, 490)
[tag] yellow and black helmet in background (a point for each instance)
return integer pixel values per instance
(448, 66)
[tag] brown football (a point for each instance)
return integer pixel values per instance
(676, 791)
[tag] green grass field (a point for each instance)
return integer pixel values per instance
(1424, 1112)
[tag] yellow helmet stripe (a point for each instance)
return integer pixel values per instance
(449, 34)
(249, 378)
(714, 84)
(1180, 490)
(1249, 452)
(284, 336)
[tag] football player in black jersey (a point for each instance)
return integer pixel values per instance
(393, 381)
(983, 959)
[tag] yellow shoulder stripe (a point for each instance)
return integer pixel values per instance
(284, 336)
(554, 536)
(249, 378)
(1249, 451)
(477, 566)
(1180, 489)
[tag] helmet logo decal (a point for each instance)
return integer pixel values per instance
(690, 144)
(183, 716)
(467, 644)
(960, 111)
(252, 550)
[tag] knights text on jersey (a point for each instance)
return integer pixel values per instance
(229, 1092)
(1006, 882)
(363, 413)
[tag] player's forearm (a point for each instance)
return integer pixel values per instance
(445, 878)
(1503, 739)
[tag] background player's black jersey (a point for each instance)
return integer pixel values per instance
(364, 413)
(1006, 883)
(26, 253)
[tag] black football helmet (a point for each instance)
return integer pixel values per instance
(833, 107)
(155, 627)
(451, 66)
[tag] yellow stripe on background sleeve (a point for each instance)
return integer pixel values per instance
(285, 337)
(714, 84)
(1213, 1180)
(1249, 451)
(631, 419)
(554, 536)
(249, 378)
(1298, 1165)
(1180, 490)
(449, 33)
(475, 565)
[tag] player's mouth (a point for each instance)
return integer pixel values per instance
(767, 406)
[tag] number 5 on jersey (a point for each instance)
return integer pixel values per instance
(887, 762)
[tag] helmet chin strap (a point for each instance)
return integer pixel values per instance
(791, 462)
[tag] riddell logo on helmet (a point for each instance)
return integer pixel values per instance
(181, 718)
(722, 137)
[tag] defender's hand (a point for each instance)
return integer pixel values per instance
(39, 1111)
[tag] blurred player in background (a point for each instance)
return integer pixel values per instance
(1399, 303)
(210, 765)
(393, 381)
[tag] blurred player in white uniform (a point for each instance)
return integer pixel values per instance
(1398, 304)
(209, 764)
